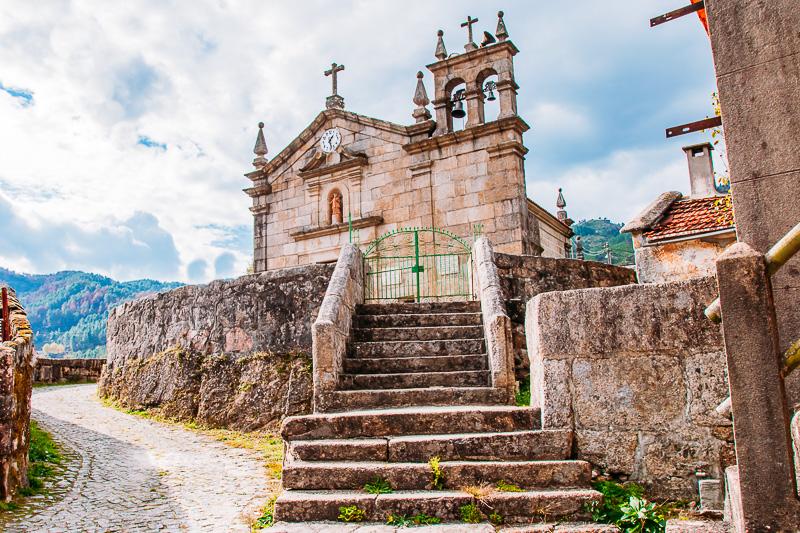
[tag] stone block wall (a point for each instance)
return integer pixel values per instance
(636, 371)
(67, 370)
(234, 353)
(16, 380)
(523, 276)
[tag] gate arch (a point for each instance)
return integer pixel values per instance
(418, 264)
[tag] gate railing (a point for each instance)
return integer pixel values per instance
(418, 264)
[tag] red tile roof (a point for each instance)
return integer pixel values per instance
(693, 217)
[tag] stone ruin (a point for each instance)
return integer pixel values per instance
(17, 361)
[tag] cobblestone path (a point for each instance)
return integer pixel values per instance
(125, 474)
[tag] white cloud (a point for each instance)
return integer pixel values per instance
(197, 76)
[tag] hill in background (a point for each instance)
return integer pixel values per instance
(68, 310)
(595, 233)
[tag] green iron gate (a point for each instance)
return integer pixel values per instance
(418, 264)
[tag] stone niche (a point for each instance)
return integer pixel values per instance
(637, 372)
(16, 380)
(233, 353)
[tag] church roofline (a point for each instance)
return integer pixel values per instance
(550, 219)
(470, 56)
(318, 122)
(439, 141)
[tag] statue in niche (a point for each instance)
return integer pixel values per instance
(335, 205)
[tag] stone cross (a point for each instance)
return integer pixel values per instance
(332, 72)
(468, 24)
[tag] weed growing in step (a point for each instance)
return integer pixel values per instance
(351, 513)
(496, 519)
(378, 486)
(479, 492)
(470, 513)
(267, 515)
(505, 486)
(415, 520)
(626, 507)
(436, 471)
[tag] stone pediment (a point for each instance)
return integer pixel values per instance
(301, 145)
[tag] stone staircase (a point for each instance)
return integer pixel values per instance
(415, 386)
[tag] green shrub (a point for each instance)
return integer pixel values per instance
(351, 513)
(626, 507)
(523, 396)
(378, 486)
(470, 513)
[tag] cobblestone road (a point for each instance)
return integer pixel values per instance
(125, 473)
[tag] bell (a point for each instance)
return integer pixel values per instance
(458, 109)
(491, 97)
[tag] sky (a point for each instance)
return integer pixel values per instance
(126, 127)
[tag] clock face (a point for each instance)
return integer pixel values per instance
(330, 140)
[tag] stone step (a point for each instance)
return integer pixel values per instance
(514, 507)
(410, 421)
(432, 333)
(425, 308)
(406, 365)
(444, 527)
(502, 446)
(418, 476)
(475, 378)
(415, 320)
(373, 350)
(348, 400)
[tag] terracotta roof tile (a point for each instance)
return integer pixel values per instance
(693, 216)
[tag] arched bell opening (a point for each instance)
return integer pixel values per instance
(456, 89)
(490, 103)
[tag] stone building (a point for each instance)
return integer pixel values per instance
(679, 237)
(348, 173)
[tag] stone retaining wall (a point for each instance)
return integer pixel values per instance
(233, 353)
(524, 276)
(637, 372)
(67, 370)
(16, 380)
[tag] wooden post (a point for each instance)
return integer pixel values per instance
(6, 335)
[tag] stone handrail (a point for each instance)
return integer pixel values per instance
(332, 327)
(496, 322)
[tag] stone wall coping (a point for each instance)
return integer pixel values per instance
(331, 329)
(496, 322)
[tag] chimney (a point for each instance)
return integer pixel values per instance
(701, 170)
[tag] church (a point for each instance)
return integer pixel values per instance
(352, 178)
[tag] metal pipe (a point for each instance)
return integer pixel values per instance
(776, 257)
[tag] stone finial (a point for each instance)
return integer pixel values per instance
(501, 32)
(561, 203)
(260, 149)
(421, 113)
(578, 248)
(441, 51)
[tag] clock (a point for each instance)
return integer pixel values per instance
(330, 140)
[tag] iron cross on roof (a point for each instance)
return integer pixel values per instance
(468, 24)
(332, 72)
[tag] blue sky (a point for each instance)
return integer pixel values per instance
(125, 128)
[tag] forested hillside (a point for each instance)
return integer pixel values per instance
(596, 232)
(68, 310)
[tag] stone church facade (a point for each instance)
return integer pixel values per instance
(348, 176)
